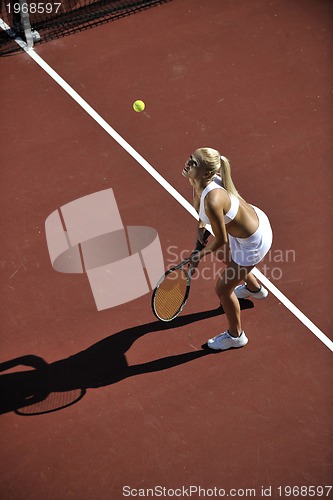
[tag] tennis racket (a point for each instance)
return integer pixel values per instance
(173, 288)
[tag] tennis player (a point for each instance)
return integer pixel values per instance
(243, 236)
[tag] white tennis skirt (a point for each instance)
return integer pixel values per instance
(250, 251)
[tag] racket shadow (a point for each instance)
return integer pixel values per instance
(45, 388)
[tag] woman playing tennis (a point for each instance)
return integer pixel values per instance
(242, 232)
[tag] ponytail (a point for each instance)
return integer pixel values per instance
(226, 179)
(214, 164)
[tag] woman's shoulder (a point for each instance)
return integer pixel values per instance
(217, 198)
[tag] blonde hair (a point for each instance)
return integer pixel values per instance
(217, 164)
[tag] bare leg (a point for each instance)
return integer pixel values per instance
(231, 276)
(251, 283)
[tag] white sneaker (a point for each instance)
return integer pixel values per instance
(243, 293)
(225, 341)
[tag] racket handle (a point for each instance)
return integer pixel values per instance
(199, 246)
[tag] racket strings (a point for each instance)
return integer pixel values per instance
(52, 402)
(170, 295)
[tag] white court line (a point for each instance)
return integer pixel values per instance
(131, 151)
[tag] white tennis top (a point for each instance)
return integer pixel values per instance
(232, 212)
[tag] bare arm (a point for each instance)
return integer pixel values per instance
(214, 210)
(201, 224)
(196, 204)
(196, 200)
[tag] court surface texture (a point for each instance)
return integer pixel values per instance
(125, 404)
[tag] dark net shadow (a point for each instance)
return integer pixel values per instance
(63, 18)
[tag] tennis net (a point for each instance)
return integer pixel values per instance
(43, 20)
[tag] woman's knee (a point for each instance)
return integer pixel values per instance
(223, 290)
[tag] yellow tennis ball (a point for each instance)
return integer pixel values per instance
(139, 106)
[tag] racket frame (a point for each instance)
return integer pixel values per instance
(188, 273)
(187, 291)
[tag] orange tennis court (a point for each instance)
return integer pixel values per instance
(100, 399)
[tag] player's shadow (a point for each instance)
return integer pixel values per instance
(101, 364)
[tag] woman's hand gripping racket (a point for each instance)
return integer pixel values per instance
(173, 288)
